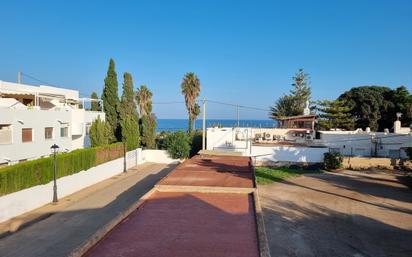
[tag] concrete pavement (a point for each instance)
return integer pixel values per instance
(77, 217)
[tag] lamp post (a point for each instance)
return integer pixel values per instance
(124, 154)
(55, 149)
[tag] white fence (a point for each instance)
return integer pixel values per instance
(17, 203)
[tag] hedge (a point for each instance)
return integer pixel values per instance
(23, 175)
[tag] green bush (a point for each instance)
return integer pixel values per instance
(333, 160)
(408, 151)
(196, 143)
(177, 144)
(38, 172)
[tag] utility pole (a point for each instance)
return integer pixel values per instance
(204, 124)
(19, 77)
(237, 109)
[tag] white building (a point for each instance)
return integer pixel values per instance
(278, 145)
(367, 143)
(32, 118)
(300, 143)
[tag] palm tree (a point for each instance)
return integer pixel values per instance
(191, 90)
(144, 100)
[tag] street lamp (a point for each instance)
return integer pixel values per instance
(55, 149)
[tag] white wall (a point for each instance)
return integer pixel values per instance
(17, 203)
(158, 156)
(289, 154)
(367, 144)
(38, 120)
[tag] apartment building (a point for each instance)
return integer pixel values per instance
(32, 118)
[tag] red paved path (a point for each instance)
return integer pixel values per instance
(186, 225)
(227, 171)
(177, 224)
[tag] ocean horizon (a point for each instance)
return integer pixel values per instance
(182, 124)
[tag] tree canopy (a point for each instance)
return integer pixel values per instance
(98, 133)
(129, 118)
(144, 100)
(376, 106)
(191, 89)
(110, 99)
(334, 114)
(94, 104)
(294, 103)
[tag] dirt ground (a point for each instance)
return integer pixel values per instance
(338, 214)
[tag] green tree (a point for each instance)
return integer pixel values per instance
(293, 104)
(402, 102)
(144, 100)
(129, 118)
(148, 119)
(191, 89)
(177, 145)
(94, 105)
(370, 106)
(110, 99)
(284, 107)
(301, 91)
(148, 131)
(99, 132)
(334, 114)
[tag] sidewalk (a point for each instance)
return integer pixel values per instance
(62, 227)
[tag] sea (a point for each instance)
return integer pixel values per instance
(182, 124)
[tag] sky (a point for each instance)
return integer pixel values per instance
(244, 52)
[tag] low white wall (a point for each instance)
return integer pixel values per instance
(289, 154)
(159, 156)
(17, 203)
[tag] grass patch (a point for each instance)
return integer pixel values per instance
(267, 175)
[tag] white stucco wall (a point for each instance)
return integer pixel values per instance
(17, 203)
(158, 156)
(38, 120)
(289, 154)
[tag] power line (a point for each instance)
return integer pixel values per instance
(47, 83)
(237, 105)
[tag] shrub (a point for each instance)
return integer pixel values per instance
(177, 145)
(408, 151)
(196, 143)
(333, 160)
(38, 172)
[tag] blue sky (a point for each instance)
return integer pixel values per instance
(243, 51)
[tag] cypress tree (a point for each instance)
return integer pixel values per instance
(98, 133)
(110, 99)
(129, 118)
(94, 105)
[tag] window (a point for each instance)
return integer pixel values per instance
(48, 133)
(5, 134)
(64, 132)
(27, 135)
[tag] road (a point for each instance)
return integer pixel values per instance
(338, 214)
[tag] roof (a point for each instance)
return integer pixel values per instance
(310, 116)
